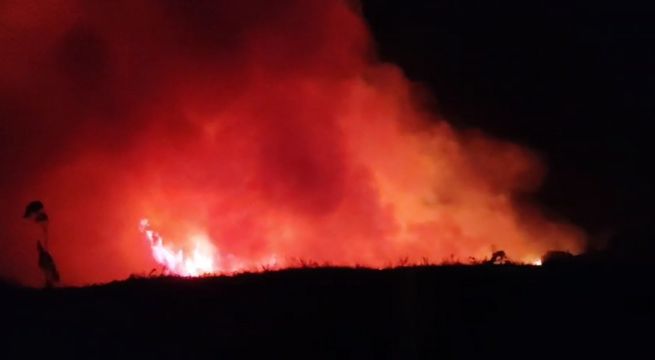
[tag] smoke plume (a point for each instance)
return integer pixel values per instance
(269, 127)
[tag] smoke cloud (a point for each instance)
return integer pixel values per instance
(268, 127)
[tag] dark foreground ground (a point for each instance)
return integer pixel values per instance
(334, 313)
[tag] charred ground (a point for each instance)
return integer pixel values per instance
(411, 312)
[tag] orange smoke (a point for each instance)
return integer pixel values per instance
(267, 126)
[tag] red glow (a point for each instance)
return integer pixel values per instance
(265, 126)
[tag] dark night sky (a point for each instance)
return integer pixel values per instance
(573, 80)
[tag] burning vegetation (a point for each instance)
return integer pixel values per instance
(247, 133)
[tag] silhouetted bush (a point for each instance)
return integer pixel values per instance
(557, 257)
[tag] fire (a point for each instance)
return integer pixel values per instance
(204, 259)
(200, 262)
(251, 134)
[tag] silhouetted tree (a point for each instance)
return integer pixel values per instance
(35, 211)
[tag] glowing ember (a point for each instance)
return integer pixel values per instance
(200, 262)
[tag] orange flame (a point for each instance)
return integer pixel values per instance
(200, 262)
(205, 259)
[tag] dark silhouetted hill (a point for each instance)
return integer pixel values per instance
(490, 311)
